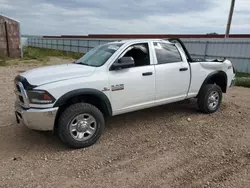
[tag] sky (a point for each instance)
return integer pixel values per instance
(80, 17)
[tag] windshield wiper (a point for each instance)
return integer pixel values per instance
(83, 63)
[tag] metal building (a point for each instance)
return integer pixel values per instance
(10, 38)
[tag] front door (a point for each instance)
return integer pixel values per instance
(133, 88)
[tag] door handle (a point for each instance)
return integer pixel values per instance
(183, 69)
(147, 73)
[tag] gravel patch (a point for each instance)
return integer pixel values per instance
(168, 146)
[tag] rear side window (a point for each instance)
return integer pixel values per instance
(166, 53)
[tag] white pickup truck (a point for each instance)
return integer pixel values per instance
(73, 99)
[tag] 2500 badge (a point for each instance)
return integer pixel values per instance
(117, 87)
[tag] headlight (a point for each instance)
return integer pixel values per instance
(40, 97)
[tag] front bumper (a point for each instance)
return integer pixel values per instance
(36, 119)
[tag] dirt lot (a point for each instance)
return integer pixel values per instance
(157, 147)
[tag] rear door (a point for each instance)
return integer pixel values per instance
(172, 73)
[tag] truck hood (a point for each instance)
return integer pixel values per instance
(48, 74)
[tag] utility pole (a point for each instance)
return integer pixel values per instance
(230, 18)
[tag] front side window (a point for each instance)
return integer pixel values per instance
(140, 54)
(166, 53)
(99, 55)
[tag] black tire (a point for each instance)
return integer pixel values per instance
(203, 98)
(69, 114)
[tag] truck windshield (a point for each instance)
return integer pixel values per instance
(99, 55)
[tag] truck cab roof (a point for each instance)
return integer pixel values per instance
(140, 40)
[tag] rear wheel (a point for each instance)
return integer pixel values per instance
(209, 98)
(80, 125)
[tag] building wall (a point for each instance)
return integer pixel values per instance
(3, 42)
(10, 44)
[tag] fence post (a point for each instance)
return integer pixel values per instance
(87, 45)
(205, 53)
(7, 39)
(70, 47)
(63, 45)
(78, 42)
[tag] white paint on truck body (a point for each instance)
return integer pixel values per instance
(166, 84)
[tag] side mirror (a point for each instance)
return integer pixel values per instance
(123, 62)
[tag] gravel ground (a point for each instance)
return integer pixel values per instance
(167, 146)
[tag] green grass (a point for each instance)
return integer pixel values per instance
(242, 79)
(3, 62)
(244, 82)
(42, 54)
(38, 54)
(242, 74)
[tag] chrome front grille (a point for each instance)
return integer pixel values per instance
(21, 95)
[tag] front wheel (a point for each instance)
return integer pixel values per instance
(80, 125)
(209, 98)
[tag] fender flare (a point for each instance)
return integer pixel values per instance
(212, 74)
(25, 83)
(86, 91)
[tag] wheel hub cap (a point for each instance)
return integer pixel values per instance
(82, 127)
(213, 100)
